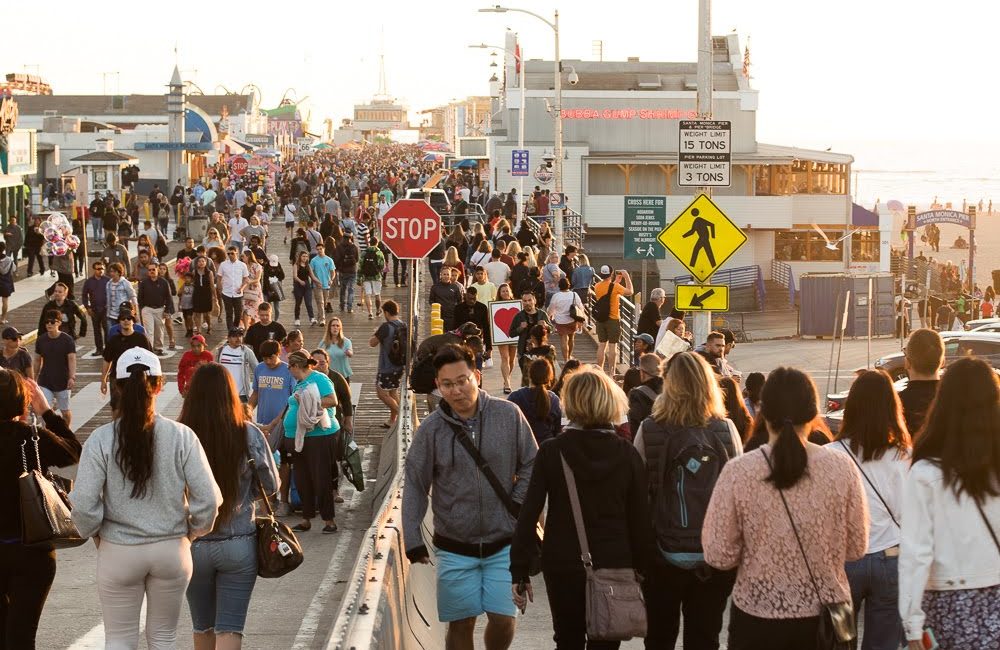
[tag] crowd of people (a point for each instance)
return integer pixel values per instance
(718, 490)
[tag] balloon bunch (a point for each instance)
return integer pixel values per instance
(58, 234)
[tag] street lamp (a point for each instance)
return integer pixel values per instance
(519, 57)
(554, 24)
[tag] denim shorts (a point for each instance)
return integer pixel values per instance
(58, 399)
(470, 586)
(224, 574)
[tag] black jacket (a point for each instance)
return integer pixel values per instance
(611, 481)
(640, 404)
(57, 446)
(72, 312)
(478, 314)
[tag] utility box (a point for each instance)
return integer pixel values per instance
(822, 297)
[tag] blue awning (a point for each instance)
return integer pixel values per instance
(468, 162)
(863, 217)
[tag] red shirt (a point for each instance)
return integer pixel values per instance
(189, 363)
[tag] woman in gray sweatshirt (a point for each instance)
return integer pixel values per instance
(144, 491)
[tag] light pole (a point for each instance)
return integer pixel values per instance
(519, 57)
(558, 148)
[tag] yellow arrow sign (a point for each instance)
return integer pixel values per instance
(702, 297)
(702, 238)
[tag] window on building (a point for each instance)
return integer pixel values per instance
(605, 179)
(646, 179)
(805, 246)
(117, 102)
(801, 177)
(865, 246)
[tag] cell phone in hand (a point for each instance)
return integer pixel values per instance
(928, 640)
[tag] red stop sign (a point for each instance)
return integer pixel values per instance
(411, 229)
(239, 165)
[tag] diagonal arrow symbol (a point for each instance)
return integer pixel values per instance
(698, 301)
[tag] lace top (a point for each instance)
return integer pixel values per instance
(746, 526)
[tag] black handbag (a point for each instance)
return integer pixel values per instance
(837, 628)
(535, 566)
(46, 514)
(278, 549)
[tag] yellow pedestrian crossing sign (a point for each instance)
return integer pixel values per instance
(702, 238)
(702, 297)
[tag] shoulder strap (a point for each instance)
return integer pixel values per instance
(795, 530)
(875, 489)
(986, 521)
(647, 391)
(574, 502)
(260, 487)
(484, 467)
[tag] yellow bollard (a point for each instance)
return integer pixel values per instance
(437, 323)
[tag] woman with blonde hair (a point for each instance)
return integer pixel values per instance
(482, 255)
(513, 248)
(452, 260)
(338, 348)
(532, 261)
(611, 489)
(687, 429)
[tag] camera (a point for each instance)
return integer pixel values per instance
(548, 159)
(573, 78)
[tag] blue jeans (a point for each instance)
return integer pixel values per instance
(224, 574)
(347, 289)
(874, 581)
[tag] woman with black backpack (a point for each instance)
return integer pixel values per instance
(685, 443)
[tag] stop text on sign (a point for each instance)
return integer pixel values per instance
(405, 228)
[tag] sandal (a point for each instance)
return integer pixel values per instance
(302, 527)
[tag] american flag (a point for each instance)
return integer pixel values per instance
(746, 60)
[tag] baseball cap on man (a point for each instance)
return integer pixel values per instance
(138, 358)
(10, 333)
(645, 338)
(605, 270)
(198, 338)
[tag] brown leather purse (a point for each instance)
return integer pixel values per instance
(615, 607)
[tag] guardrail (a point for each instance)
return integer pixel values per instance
(781, 273)
(574, 230)
(629, 320)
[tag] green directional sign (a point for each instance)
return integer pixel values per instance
(645, 218)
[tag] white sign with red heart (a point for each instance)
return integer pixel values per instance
(502, 313)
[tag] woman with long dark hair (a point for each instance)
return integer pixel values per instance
(143, 491)
(874, 434)
(26, 572)
(949, 556)
(539, 404)
(736, 410)
(776, 605)
(569, 368)
(752, 386)
(225, 560)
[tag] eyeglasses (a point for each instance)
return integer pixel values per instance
(52, 321)
(458, 384)
(128, 318)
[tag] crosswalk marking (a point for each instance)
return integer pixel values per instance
(87, 403)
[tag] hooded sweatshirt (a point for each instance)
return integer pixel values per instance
(465, 507)
(611, 481)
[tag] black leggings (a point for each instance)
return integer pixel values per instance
(566, 591)
(313, 468)
(26, 574)
(747, 632)
(397, 265)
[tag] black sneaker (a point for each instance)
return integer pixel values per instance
(330, 528)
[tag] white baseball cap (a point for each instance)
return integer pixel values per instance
(137, 357)
(605, 270)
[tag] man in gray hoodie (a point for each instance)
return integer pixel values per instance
(472, 527)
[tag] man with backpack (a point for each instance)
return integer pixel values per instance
(608, 293)
(346, 258)
(392, 339)
(370, 277)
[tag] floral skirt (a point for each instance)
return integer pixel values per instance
(966, 619)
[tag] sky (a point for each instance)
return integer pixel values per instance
(900, 85)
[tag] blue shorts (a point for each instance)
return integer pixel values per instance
(468, 587)
(222, 581)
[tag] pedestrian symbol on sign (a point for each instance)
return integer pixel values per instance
(702, 238)
(702, 228)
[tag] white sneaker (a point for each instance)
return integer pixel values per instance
(313, 322)
(297, 322)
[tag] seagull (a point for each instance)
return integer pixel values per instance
(832, 245)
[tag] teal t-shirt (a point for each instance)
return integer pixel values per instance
(325, 387)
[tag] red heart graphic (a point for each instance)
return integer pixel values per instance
(502, 318)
